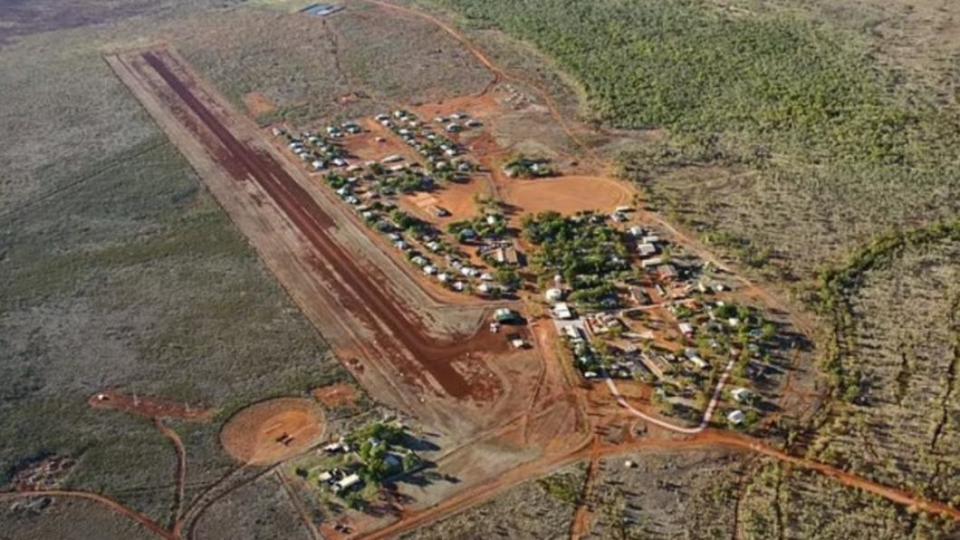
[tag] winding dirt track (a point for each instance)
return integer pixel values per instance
(704, 440)
(107, 502)
(174, 439)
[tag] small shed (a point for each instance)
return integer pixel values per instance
(554, 295)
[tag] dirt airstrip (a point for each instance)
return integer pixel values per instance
(460, 379)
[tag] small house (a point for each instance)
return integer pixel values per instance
(554, 295)
(506, 316)
(651, 263)
(347, 482)
(736, 417)
(506, 255)
(646, 249)
(695, 359)
(667, 272)
(562, 311)
(655, 364)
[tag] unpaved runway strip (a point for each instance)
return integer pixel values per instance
(385, 343)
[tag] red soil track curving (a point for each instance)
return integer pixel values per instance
(149, 407)
(406, 341)
(106, 502)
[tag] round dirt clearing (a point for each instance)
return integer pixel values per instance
(566, 194)
(271, 431)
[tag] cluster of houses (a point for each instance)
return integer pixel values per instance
(371, 187)
(673, 330)
(320, 152)
(347, 465)
(457, 122)
(444, 157)
(424, 246)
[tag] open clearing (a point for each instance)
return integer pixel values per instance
(149, 407)
(567, 194)
(272, 431)
(338, 395)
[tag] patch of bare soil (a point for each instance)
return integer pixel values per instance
(336, 395)
(272, 431)
(459, 199)
(258, 104)
(149, 407)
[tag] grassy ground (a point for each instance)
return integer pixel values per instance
(317, 69)
(718, 495)
(538, 509)
(68, 520)
(664, 496)
(781, 503)
(896, 355)
(121, 271)
(135, 279)
(785, 141)
(260, 509)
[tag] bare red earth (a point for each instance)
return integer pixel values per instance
(148, 407)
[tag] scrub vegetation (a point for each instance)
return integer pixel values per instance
(783, 137)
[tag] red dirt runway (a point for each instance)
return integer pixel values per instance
(407, 342)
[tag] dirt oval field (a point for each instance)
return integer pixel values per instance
(567, 194)
(271, 431)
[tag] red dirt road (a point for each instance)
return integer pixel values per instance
(407, 342)
(149, 407)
